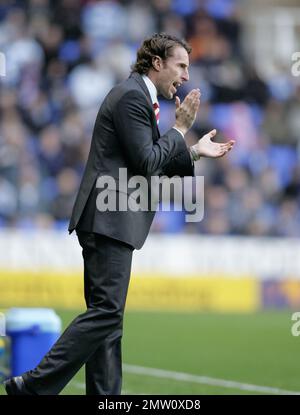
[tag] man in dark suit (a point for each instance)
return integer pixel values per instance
(126, 136)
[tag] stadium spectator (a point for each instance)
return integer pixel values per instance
(62, 58)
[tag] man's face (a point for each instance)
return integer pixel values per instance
(172, 72)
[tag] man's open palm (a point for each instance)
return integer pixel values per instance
(207, 148)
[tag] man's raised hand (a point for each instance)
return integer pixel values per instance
(187, 110)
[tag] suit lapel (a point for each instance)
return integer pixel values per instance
(142, 84)
(138, 78)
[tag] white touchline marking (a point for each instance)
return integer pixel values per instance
(78, 385)
(205, 380)
(81, 386)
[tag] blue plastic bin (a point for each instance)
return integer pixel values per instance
(32, 333)
(2, 359)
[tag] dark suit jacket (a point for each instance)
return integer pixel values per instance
(126, 136)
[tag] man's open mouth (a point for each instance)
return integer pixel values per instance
(176, 85)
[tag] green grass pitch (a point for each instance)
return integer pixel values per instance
(256, 349)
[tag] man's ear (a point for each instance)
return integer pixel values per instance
(157, 63)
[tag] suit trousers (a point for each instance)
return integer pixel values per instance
(94, 337)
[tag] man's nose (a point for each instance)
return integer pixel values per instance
(185, 76)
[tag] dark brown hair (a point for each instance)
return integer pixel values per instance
(160, 44)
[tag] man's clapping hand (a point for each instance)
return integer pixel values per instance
(187, 110)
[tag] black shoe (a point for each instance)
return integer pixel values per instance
(16, 386)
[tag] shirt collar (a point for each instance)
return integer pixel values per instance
(151, 88)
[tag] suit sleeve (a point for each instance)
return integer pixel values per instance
(133, 122)
(180, 165)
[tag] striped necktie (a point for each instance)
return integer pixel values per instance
(156, 111)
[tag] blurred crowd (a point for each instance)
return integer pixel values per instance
(62, 57)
